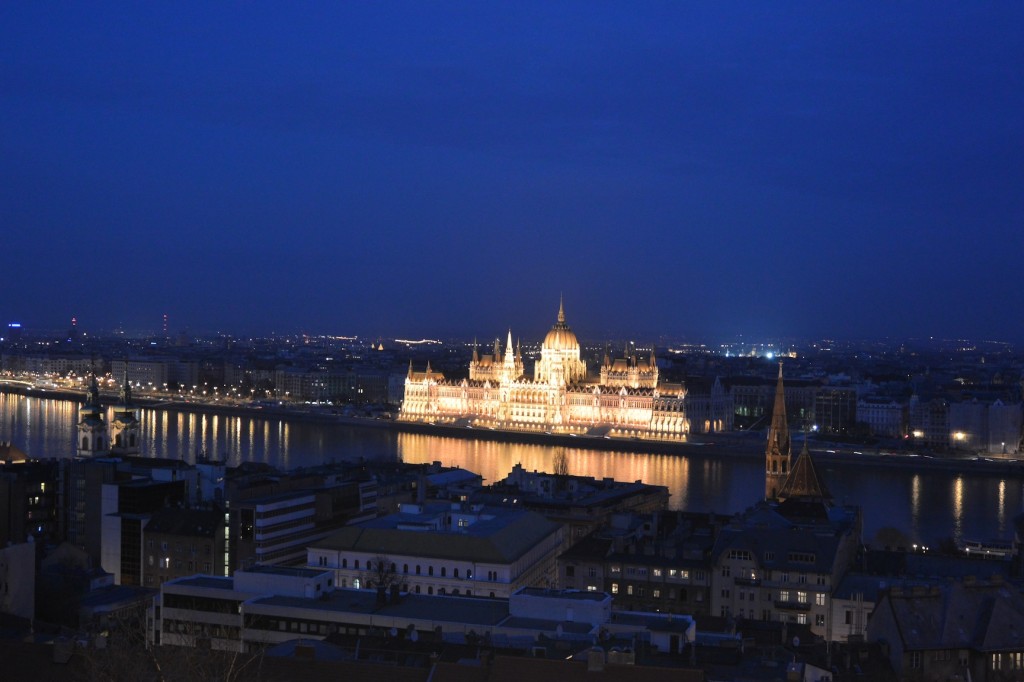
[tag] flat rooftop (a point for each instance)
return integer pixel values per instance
(290, 571)
(447, 609)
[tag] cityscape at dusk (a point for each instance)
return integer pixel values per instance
(484, 341)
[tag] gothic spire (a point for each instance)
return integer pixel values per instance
(561, 310)
(779, 448)
(803, 481)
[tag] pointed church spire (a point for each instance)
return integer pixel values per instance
(410, 369)
(779, 449)
(803, 481)
(476, 355)
(561, 310)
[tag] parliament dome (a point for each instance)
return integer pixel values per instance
(561, 336)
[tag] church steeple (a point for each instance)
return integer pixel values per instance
(561, 310)
(779, 449)
(124, 428)
(803, 481)
(92, 427)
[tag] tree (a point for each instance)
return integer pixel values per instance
(121, 651)
(382, 574)
(561, 463)
(891, 538)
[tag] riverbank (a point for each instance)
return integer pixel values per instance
(734, 446)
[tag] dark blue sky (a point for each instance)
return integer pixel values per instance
(843, 169)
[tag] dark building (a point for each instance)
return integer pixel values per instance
(181, 542)
(656, 562)
(125, 509)
(29, 501)
(835, 411)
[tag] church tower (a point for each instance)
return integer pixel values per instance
(124, 427)
(777, 453)
(92, 428)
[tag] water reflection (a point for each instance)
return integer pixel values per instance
(958, 507)
(925, 505)
(915, 500)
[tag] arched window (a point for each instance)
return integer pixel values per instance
(430, 590)
(444, 571)
(417, 569)
(430, 570)
(344, 563)
(405, 568)
(455, 572)
(85, 442)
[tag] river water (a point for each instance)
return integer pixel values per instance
(925, 505)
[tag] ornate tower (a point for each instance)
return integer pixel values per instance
(777, 453)
(92, 428)
(803, 481)
(560, 362)
(124, 427)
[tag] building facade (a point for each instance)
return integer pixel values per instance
(625, 400)
(454, 550)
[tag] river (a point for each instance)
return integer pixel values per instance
(925, 505)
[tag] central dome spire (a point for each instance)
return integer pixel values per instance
(561, 310)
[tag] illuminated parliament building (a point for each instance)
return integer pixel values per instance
(623, 399)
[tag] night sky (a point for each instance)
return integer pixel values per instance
(853, 170)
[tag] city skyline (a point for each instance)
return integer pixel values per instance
(415, 171)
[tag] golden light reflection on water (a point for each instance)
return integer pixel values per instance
(1001, 511)
(494, 461)
(958, 507)
(915, 498)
